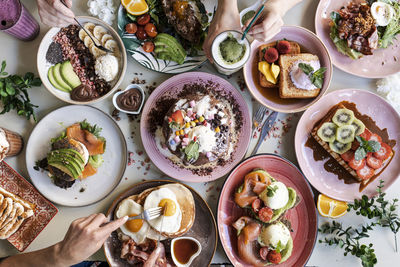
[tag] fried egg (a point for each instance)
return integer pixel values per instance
(274, 234)
(276, 196)
(382, 13)
(172, 218)
(137, 229)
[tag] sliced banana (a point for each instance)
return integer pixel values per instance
(82, 34)
(105, 38)
(97, 52)
(89, 27)
(88, 42)
(113, 46)
(99, 31)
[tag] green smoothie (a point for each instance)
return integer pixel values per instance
(248, 16)
(230, 49)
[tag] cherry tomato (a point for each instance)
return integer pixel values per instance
(263, 253)
(131, 28)
(148, 47)
(151, 30)
(141, 33)
(143, 19)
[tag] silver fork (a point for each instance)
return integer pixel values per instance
(95, 43)
(259, 117)
(148, 214)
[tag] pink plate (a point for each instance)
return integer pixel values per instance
(382, 63)
(172, 87)
(328, 183)
(303, 217)
(310, 43)
(44, 211)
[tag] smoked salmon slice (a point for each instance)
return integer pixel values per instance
(89, 170)
(93, 144)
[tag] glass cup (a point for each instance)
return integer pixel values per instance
(16, 20)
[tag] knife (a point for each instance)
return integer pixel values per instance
(264, 130)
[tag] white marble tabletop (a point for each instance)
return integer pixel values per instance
(21, 57)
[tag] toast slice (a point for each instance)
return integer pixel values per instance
(328, 118)
(286, 87)
(294, 49)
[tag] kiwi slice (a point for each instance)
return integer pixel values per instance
(345, 134)
(327, 132)
(358, 126)
(338, 147)
(343, 116)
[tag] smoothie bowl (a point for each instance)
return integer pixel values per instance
(73, 69)
(229, 52)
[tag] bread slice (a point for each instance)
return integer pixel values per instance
(286, 86)
(294, 49)
(28, 205)
(325, 145)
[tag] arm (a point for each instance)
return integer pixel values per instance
(271, 19)
(226, 17)
(84, 237)
(55, 13)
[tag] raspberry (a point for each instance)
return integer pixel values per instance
(283, 47)
(271, 55)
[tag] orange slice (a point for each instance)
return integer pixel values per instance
(331, 208)
(135, 7)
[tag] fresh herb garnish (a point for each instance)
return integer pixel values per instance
(55, 139)
(94, 129)
(192, 151)
(316, 77)
(14, 94)
(365, 147)
(271, 190)
(174, 125)
(379, 208)
(279, 247)
(348, 239)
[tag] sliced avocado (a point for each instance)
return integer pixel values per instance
(53, 80)
(72, 163)
(68, 74)
(162, 49)
(59, 79)
(171, 42)
(71, 152)
(287, 251)
(65, 166)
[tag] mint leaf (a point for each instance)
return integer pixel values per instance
(360, 153)
(174, 125)
(192, 151)
(271, 190)
(335, 17)
(373, 146)
(316, 77)
(306, 68)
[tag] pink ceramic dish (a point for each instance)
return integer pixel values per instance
(172, 87)
(328, 183)
(303, 217)
(382, 63)
(44, 210)
(309, 43)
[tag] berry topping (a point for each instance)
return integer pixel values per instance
(373, 162)
(365, 173)
(384, 152)
(274, 257)
(283, 47)
(271, 55)
(356, 164)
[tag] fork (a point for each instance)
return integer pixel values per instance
(148, 214)
(95, 43)
(259, 117)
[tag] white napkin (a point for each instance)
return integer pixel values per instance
(389, 88)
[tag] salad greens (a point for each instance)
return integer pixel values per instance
(316, 77)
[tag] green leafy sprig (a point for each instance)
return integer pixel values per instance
(382, 210)
(14, 93)
(349, 240)
(365, 147)
(316, 77)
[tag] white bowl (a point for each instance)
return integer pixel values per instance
(129, 87)
(253, 7)
(191, 258)
(43, 66)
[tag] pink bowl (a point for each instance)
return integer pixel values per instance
(310, 43)
(382, 63)
(328, 183)
(303, 217)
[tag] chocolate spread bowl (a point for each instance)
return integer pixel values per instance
(130, 100)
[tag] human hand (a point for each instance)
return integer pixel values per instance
(268, 24)
(84, 237)
(226, 18)
(55, 13)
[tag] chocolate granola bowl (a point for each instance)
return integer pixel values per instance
(73, 69)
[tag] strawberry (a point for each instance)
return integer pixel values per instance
(274, 257)
(347, 156)
(383, 153)
(356, 164)
(283, 47)
(375, 137)
(373, 162)
(365, 173)
(177, 117)
(271, 55)
(366, 134)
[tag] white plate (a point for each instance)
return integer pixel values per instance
(95, 187)
(43, 66)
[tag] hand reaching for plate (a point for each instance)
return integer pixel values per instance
(55, 13)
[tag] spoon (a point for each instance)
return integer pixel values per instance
(252, 21)
(89, 34)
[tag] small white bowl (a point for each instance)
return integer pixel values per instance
(129, 87)
(253, 7)
(191, 258)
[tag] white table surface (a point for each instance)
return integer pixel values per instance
(21, 57)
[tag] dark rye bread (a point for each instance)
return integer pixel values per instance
(294, 49)
(328, 118)
(286, 87)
